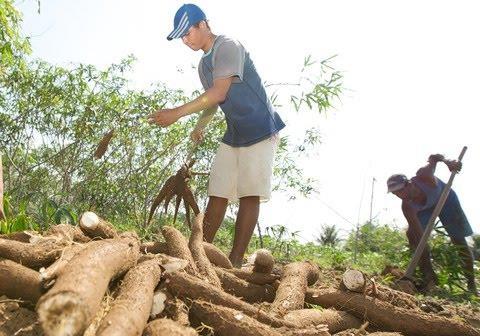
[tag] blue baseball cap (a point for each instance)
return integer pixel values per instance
(186, 16)
(396, 182)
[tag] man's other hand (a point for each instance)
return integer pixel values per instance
(164, 117)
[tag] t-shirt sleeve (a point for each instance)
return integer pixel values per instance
(203, 80)
(229, 60)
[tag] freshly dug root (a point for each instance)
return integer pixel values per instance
(51, 272)
(388, 317)
(334, 319)
(247, 291)
(69, 307)
(21, 236)
(33, 255)
(158, 304)
(168, 264)
(254, 277)
(205, 268)
(68, 232)
(177, 247)
(154, 247)
(354, 280)
(186, 286)
(103, 144)
(229, 322)
(175, 309)
(216, 256)
(164, 327)
(293, 285)
(131, 308)
(19, 282)
(95, 227)
(262, 261)
(395, 297)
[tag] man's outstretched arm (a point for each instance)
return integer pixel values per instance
(427, 172)
(207, 100)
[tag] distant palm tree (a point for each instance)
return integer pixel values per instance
(328, 236)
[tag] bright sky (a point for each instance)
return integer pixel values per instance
(411, 69)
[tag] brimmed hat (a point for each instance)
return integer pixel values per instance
(186, 16)
(396, 182)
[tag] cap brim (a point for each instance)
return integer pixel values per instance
(396, 187)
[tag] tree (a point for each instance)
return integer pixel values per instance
(329, 236)
(53, 117)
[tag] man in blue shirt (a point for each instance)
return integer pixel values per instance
(419, 197)
(243, 164)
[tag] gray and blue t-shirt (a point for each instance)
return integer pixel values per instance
(249, 113)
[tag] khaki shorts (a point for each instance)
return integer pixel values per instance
(243, 171)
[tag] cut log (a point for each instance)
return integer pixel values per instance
(216, 256)
(19, 282)
(386, 316)
(154, 247)
(95, 227)
(177, 247)
(354, 280)
(131, 309)
(249, 292)
(205, 268)
(33, 255)
(68, 232)
(262, 261)
(186, 286)
(334, 319)
(164, 327)
(69, 307)
(254, 277)
(293, 285)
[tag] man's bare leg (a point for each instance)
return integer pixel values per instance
(216, 208)
(467, 259)
(429, 277)
(245, 224)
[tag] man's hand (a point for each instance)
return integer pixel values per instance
(453, 165)
(164, 117)
(197, 135)
(434, 158)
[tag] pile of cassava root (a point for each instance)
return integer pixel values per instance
(92, 280)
